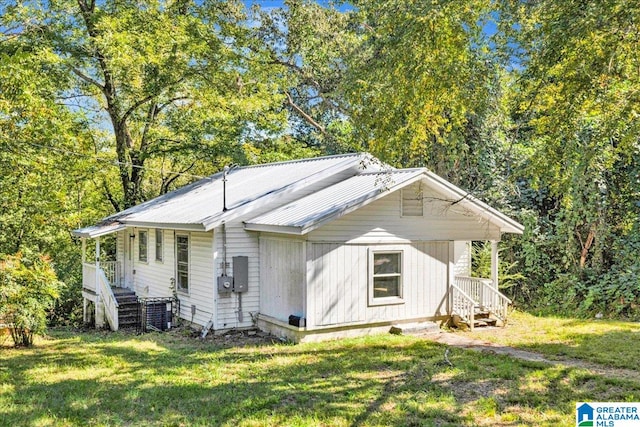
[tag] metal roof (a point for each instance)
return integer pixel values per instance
(198, 206)
(310, 212)
(252, 189)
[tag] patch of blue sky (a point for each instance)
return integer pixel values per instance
(342, 6)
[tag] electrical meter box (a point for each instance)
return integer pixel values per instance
(240, 274)
(225, 284)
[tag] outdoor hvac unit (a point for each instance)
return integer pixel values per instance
(156, 313)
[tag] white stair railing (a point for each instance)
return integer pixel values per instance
(108, 299)
(112, 271)
(484, 294)
(463, 305)
(89, 276)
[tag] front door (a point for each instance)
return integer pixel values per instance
(129, 241)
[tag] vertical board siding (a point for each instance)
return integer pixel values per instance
(282, 277)
(239, 243)
(339, 283)
(381, 221)
(462, 258)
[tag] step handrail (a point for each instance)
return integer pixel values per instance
(496, 302)
(109, 299)
(465, 308)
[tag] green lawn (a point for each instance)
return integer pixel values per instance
(167, 379)
(607, 342)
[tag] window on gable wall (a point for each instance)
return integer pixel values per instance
(143, 239)
(385, 277)
(412, 203)
(159, 244)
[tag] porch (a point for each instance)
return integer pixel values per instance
(100, 282)
(477, 302)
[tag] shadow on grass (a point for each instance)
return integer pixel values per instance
(612, 349)
(157, 379)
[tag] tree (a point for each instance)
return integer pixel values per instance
(28, 289)
(575, 105)
(167, 85)
(308, 44)
(423, 81)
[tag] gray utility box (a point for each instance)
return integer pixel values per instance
(225, 284)
(240, 274)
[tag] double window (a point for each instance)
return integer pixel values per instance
(182, 263)
(385, 280)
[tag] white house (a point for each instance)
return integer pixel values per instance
(307, 249)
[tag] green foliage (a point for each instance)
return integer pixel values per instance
(105, 104)
(575, 107)
(509, 275)
(28, 290)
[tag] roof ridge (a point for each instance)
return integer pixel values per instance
(306, 159)
(405, 170)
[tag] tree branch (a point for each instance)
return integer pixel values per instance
(110, 197)
(87, 78)
(305, 116)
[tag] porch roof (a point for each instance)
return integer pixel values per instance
(99, 229)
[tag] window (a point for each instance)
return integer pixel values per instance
(412, 203)
(386, 278)
(143, 238)
(182, 263)
(159, 245)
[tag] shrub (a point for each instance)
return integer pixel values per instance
(28, 290)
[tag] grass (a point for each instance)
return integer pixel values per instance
(112, 379)
(606, 342)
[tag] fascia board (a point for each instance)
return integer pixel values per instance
(477, 206)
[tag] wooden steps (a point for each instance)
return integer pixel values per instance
(128, 308)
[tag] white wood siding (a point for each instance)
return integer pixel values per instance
(462, 258)
(153, 278)
(381, 222)
(338, 277)
(239, 242)
(201, 276)
(282, 277)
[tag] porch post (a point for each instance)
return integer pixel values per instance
(84, 259)
(99, 319)
(451, 276)
(494, 263)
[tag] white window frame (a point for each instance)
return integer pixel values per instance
(178, 287)
(377, 301)
(146, 248)
(160, 249)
